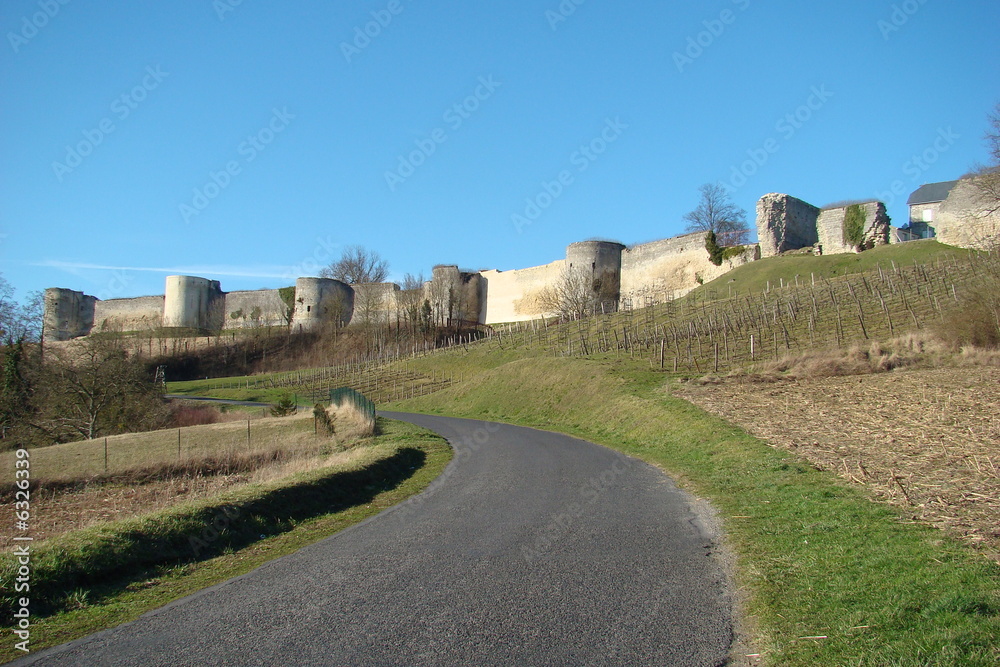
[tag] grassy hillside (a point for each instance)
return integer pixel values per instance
(756, 277)
(834, 579)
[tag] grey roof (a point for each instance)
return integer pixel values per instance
(931, 193)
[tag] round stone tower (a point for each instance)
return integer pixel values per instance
(603, 261)
(188, 301)
(321, 302)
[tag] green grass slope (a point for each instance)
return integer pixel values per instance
(832, 578)
(755, 276)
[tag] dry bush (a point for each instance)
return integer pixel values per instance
(977, 356)
(188, 414)
(182, 415)
(975, 319)
(350, 423)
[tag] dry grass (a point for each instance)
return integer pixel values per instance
(350, 423)
(928, 440)
(919, 350)
(72, 490)
(59, 510)
(83, 460)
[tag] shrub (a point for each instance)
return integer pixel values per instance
(284, 407)
(972, 322)
(323, 418)
(715, 252)
(854, 226)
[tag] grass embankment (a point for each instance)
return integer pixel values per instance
(832, 578)
(774, 271)
(99, 577)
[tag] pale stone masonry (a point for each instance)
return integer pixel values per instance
(629, 276)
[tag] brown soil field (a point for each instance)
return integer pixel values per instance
(925, 440)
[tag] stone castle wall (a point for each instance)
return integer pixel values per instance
(137, 314)
(517, 296)
(254, 308)
(964, 220)
(644, 273)
(830, 228)
(662, 270)
(785, 223)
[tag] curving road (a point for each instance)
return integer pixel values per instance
(532, 548)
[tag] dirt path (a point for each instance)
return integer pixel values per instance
(926, 440)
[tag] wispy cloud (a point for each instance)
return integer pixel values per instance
(197, 270)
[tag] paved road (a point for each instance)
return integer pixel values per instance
(531, 549)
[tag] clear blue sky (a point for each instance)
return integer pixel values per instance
(115, 114)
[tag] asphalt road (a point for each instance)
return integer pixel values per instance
(531, 549)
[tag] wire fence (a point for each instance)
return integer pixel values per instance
(360, 402)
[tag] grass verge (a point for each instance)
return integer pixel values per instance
(103, 576)
(832, 578)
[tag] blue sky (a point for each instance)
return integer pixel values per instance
(251, 141)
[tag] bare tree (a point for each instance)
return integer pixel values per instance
(986, 178)
(19, 322)
(357, 265)
(96, 388)
(716, 213)
(410, 298)
(572, 296)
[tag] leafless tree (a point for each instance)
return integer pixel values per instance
(986, 178)
(572, 296)
(410, 298)
(716, 213)
(357, 265)
(19, 322)
(94, 388)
